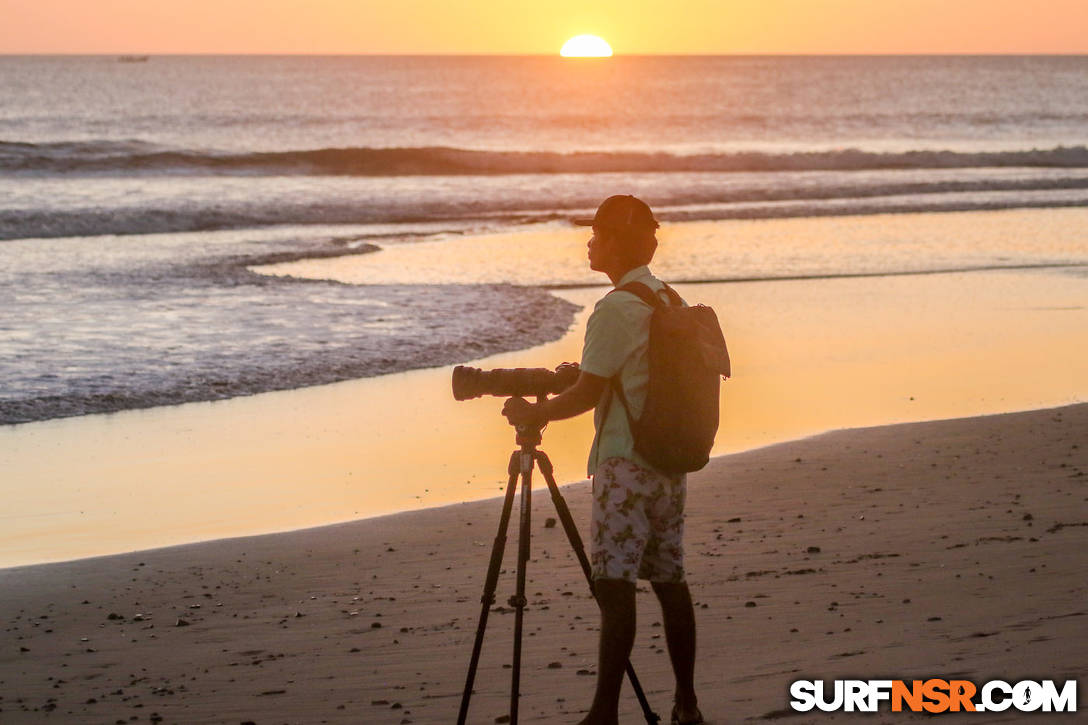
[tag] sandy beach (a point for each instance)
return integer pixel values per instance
(237, 488)
(947, 548)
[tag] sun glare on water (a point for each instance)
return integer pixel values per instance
(586, 46)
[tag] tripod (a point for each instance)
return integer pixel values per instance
(521, 464)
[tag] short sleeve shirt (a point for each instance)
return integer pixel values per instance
(616, 344)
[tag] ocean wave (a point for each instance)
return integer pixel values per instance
(211, 329)
(189, 216)
(140, 157)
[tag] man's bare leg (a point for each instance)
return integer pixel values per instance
(679, 616)
(616, 599)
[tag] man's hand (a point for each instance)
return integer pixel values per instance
(520, 411)
(576, 399)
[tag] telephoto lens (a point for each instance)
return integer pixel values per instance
(469, 382)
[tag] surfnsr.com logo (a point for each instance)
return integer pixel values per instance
(933, 696)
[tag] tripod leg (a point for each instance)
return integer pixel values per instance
(518, 600)
(569, 526)
(565, 517)
(490, 582)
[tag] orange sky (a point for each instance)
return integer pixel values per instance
(514, 26)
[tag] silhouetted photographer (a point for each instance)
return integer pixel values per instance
(650, 369)
(638, 508)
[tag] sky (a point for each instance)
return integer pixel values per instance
(542, 26)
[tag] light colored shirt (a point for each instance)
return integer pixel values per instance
(616, 344)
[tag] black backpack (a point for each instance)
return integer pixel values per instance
(688, 359)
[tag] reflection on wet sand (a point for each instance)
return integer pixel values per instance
(810, 356)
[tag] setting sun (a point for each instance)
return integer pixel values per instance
(586, 46)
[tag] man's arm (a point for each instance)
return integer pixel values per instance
(575, 400)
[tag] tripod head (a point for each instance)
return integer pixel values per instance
(528, 435)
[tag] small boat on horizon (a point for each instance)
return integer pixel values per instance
(133, 58)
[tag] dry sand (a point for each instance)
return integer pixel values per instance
(926, 549)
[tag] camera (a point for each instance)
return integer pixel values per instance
(471, 383)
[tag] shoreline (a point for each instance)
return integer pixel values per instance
(521, 298)
(896, 550)
(818, 355)
(213, 379)
(50, 408)
(290, 312)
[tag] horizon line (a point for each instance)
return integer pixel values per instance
(108, 54)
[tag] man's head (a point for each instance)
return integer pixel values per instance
(623, 234)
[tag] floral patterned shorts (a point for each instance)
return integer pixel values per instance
(638, 523)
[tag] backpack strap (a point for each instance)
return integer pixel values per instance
(673, 296)
(647, 295)
(617, 390)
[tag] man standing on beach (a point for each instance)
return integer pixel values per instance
(637, 521)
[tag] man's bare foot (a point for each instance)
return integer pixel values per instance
(686, 716)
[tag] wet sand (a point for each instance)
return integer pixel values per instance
(808, 356)
(925, 549)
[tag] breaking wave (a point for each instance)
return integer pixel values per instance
(139, 157)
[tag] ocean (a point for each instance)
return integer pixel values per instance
(142, 203)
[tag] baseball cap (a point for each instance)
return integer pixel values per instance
(621, 210)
